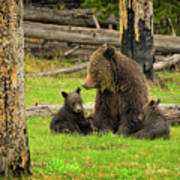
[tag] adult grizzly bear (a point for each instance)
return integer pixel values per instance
(155, 124)
(121, 91)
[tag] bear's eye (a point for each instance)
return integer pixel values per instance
(73, 103)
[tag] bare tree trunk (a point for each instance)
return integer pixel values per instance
(136, 32)
(14, 150)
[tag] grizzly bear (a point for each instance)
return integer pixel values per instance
(70, 118)
(155, 124)
(121, 91)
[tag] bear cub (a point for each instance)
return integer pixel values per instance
(70, 118)
(155, 124)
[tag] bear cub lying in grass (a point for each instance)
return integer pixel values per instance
(70, 118)
(155, 124)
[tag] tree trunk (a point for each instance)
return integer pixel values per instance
(136, 32)
(14, 150)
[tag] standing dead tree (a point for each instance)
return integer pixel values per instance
(14, 149)
(136, 32)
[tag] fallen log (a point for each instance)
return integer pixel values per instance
(74, 17)
(71, 34)
(173, 118)
(60, 71)
(51, 109)
(167, 44)
(168, 62)
(92, 36)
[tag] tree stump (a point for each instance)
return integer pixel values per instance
(136, 32)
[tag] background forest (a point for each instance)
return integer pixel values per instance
(166, 12)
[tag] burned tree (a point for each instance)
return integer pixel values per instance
(136, 32)
(14, 150)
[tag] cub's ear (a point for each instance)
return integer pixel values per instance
(152, 102)
(109, 52)
(78, 90)
(158, 101)
(64, 94)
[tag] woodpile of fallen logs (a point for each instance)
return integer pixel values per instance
(92, 36)
(76, 33)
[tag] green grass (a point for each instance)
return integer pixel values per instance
(170, 93)
(61, 156)
(48, 89)
(101, 157)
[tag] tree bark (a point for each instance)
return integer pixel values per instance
(14, 149)
(92, 36)
(136, 32)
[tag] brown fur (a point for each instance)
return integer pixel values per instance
(121, 91)
(70, 118)
(155, 124)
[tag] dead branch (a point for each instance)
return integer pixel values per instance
(60, 71)
(96, 22)
(171, 25)
(66, 54)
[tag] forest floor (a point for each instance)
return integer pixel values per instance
(62, 156)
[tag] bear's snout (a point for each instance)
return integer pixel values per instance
(78, 108)
(84, 86)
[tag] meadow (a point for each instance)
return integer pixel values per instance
(63, 156)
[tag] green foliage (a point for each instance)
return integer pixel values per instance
(102, 8)
(163, 9)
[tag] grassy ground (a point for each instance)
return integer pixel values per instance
(63, 156)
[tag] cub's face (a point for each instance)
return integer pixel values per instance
(73, 101)
(149, 108)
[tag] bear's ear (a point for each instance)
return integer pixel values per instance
(78, 90)
(152, 102)
(64, 94)
(158, 101)
(109, 52)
